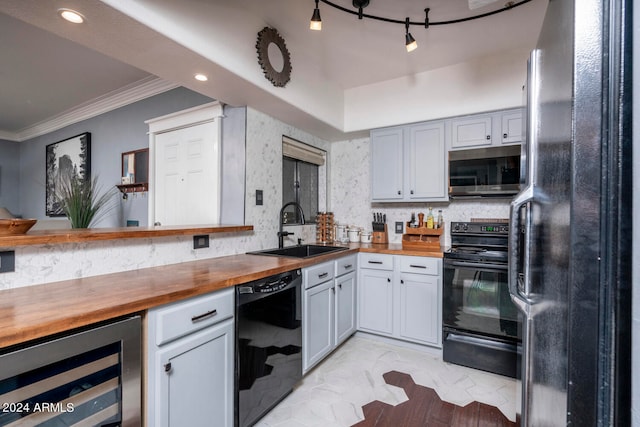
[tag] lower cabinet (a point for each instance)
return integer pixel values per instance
(401, 297)
(328, 309)
(190, 362)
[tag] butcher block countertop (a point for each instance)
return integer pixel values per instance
(34, 312)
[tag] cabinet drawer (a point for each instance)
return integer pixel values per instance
(182, 318)
(419, 265)
(318, 274)
(376, 261)
(345, 265)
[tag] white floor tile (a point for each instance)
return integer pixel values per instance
(332, 394)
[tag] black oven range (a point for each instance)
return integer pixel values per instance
(481, 325)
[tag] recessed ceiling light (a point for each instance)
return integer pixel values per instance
(201, 77)
(71, 16)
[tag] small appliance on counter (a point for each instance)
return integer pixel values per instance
(379, 226)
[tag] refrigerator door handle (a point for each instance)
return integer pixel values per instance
(520, 244)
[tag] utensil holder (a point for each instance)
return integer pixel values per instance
(325, 227)
(380, 237)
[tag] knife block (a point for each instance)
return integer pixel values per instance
(380, 236)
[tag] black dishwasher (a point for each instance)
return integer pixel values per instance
(268, 344)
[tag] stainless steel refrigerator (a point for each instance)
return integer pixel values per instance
(570, 230)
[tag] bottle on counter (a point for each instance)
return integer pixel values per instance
(430, 218)
(412, 222)
(440, 221)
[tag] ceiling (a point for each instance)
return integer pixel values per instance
(45, 74)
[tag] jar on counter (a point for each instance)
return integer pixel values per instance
(365, 237)
(354, 234)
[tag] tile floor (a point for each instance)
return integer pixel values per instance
(332, 394)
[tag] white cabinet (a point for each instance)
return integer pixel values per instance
(387, 164)
(190, 363)
(408, 163)
(512, 127)
(471, 132)
(345, 313)
(375, 293)
(318, 331)
(400, 297)
(329, 305)
(486, 130)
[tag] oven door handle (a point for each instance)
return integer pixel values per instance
(469, 264)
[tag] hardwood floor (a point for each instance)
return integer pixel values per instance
(425, 408)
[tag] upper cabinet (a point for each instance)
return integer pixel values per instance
(472, 131)
(408, 163)
(485, 130)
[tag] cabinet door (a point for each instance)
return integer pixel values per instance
(426, 162)
(420, 308)
(386, 164)
(471, 132)
(317, 331)
(512, 127)
(195, 379)
(345, 307)
(375, 301)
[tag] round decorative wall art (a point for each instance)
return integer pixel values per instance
(273, 57)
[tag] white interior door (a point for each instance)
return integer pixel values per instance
(187, 175)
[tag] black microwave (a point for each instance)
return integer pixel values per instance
(485, 172)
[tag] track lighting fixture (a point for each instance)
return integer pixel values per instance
(316, 21)
(410, 42)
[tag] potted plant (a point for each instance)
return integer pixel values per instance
(82, 202)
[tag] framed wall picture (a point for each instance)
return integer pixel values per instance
(69, 158)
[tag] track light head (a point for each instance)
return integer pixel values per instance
(316, 21)
(410, 42)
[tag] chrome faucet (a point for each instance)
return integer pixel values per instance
(282, 234)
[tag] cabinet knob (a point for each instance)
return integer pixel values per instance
(340, 285)
(334, 289)
(411, 191)
(401, 282)
(488, 137)
(388, 280)
(399, 192)
(167, 367)
(504, 135)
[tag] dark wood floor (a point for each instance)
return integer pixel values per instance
(424, 408)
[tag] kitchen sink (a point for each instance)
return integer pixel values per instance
(300, 251)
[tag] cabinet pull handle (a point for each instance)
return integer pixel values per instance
(488, 137)
(199, 317)
(167, 367)
(504, 135)
(374, 262)
(417, 266)
(348, 266)
(323, 275)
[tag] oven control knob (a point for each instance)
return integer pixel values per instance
(465, 227)
(456, 227)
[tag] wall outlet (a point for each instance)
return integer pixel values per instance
(7, 261)
(399, 227)
(201, 241)
(259, 199)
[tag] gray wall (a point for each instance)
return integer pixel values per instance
(112, 134)
(9, 167)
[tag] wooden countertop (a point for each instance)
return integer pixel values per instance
(33, 312)
(42, 237)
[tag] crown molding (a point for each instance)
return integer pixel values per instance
(126, 95)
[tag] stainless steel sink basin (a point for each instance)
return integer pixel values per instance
(300, 251)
